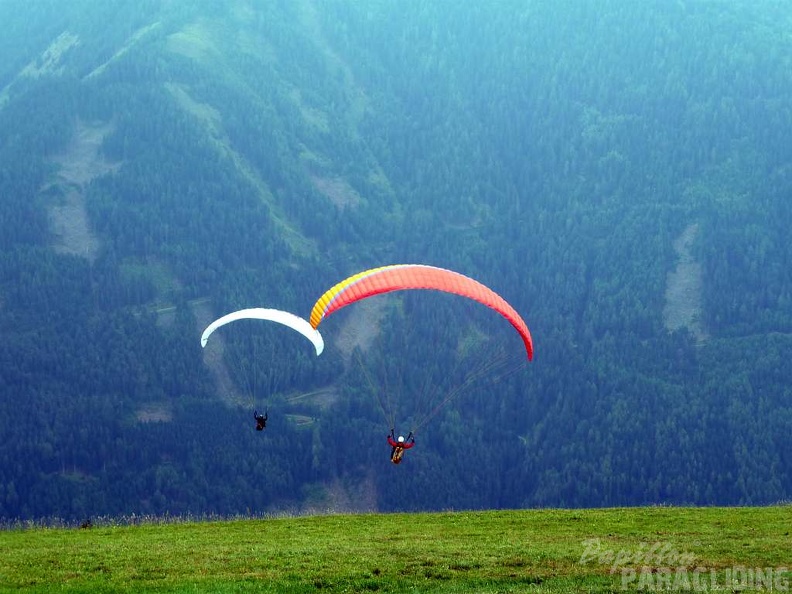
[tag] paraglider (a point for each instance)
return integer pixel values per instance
(261, 420)
(285, 318)
(399, 445)
(386, 279)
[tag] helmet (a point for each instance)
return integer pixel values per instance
(401, 438)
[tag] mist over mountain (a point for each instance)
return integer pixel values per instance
(620, 172)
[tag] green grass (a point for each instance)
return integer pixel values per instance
(484, 552)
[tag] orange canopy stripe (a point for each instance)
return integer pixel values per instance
(415, 276)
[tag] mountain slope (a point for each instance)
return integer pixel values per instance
(165, 163)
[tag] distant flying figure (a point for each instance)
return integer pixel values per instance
(398, 446)
(261, 420)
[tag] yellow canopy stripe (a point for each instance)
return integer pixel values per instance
(320, 308)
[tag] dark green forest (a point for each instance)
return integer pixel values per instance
(619, 171)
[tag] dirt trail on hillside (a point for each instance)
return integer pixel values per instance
(361, 327)
(79, 164)
(683, 288)
(213, 356)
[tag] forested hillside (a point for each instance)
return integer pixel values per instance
(619, 171)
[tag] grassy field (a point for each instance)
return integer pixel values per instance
(643, 549)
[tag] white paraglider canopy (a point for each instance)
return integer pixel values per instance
(273, 315)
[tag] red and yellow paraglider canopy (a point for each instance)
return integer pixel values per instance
(400, 277)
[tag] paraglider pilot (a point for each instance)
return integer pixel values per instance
(261, 420)
(399, 445)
